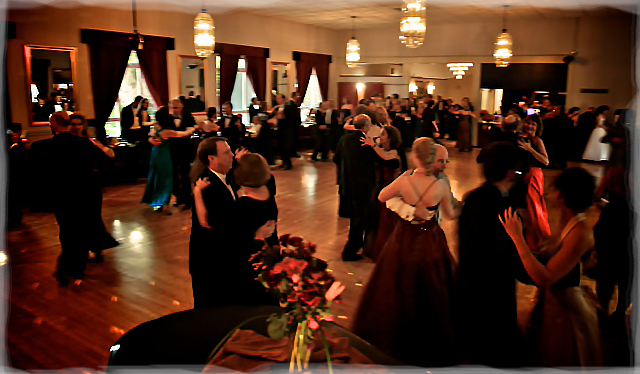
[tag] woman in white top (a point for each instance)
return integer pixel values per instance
(596, 150)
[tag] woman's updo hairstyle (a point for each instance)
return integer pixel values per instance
(252, 171)
(577, 187)
(425, 151)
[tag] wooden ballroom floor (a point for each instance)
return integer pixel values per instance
(147, 275)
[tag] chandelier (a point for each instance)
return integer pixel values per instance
(458, 68)
(503, 45)
(204, 38)
(413, 25)
(353, 49)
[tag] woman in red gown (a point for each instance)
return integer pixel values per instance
(537, 229)
(404, 309)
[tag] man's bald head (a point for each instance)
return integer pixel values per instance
(362, 122)
(441, 159)
(176, 106)
(511, 123)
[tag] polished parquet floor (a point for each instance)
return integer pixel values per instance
(147, 275)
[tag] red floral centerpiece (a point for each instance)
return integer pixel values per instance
(305, 288)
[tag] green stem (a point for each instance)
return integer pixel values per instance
(326, 349)
(226, 337)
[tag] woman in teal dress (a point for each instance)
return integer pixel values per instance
(160, 179)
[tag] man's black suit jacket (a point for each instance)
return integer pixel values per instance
(126, 121)
(357, 167)
(485, 297)
(210, 249)
(321, 121)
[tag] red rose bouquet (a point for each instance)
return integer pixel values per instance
(305, 288)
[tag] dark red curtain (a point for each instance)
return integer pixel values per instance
(257, 72)
(228, 71)
(153, 62)
(7, 31)
(322, 72)
(108, 56)
(303, 72)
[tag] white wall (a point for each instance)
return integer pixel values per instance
(604, 46)
(36, 27)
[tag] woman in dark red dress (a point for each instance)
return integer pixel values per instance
(404, 309)
(538, 229)
(383, 219)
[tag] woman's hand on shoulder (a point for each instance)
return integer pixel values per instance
(367, 140)
(201, 184)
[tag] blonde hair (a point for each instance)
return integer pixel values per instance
(424, 150)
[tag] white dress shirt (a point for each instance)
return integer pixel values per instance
(223, 178)
(327, 117)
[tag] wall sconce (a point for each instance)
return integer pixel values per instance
(413, 87)
(431, 88)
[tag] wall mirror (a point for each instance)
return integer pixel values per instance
(279, 80)
(191, 75)
(51, 78)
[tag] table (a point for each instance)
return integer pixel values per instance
(184, 340)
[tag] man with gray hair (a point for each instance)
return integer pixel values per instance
(356, 177)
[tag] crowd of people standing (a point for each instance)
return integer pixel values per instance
(463, 310)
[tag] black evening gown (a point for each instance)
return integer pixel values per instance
(254, 214)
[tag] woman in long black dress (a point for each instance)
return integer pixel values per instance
(405, 309)
(382, 218)
(613, 236)
(256, 206)
(466, 115)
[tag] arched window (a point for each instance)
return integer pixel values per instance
(133, 84)
(312, 98)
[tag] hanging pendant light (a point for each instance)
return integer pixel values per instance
(413, 25)
(353, 48)
(458, 68)
(203, 34)
(136, 41)
(503, 45)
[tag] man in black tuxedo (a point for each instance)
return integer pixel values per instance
(127, 117)
(211, 245)
(292, 110)
(357, 165)
(77, 197)
(182, 153)
(442, 115)
(231, 126)
(326, 121)
(288, 123)
(489, 264)
(254, 109)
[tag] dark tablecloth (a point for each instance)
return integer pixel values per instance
(186, 339)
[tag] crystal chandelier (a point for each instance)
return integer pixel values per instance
(413, 25)
(503, 45)
(204, 38)
(353, 49)
(458, 68)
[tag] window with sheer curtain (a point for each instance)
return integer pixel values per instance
(133, 84)
(312, 98)
(242, 90)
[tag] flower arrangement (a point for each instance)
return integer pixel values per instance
(305, 288)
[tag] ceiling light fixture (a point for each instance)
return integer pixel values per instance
(413, 25)
(458, 68)
(353, 47)
(503, 45)
(136, 41)
(203, 34)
